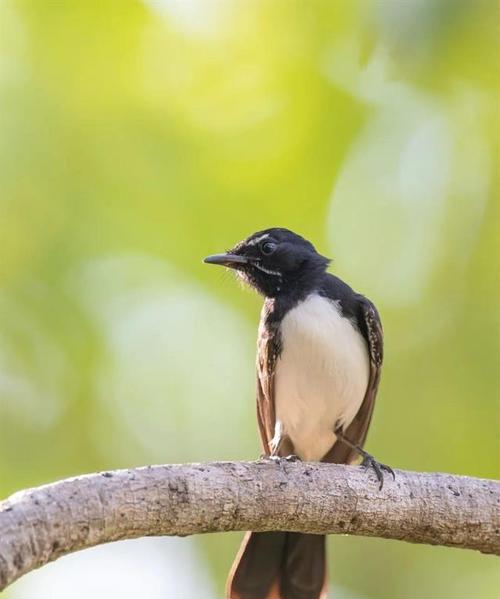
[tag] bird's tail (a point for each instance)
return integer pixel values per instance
(279, 565)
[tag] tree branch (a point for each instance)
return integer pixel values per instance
(39, 525)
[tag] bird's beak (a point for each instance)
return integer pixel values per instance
(229, 260)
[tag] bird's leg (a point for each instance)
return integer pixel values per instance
(278, 445)
(277, 441)
(368, 460)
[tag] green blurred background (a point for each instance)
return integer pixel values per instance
(138, 137)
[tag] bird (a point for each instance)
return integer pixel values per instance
(319, 360)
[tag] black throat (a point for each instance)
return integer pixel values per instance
(325, 284)
(288, 293)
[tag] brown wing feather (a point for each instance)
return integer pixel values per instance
(358, 429)
(267, 354)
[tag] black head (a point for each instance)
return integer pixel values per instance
(274, 262)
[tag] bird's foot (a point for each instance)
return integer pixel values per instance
(370, 462)
(281, 458)
(291, 458)
(281, 461)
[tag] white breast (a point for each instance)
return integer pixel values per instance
(321, 376)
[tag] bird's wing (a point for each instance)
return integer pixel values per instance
(371, 328)
(268, 349)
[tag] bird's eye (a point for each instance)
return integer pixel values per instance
(268, 247)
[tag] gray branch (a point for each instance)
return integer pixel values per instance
(39, 525)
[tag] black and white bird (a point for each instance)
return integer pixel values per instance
(319, 358)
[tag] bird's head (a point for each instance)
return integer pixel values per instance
(275, 261)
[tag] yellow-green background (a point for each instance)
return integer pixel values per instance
(137, 137)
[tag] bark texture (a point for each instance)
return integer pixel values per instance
(39, 525)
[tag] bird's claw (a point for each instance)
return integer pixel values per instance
(379, 468)
(281, 458)
(281, 461)
(292, 458)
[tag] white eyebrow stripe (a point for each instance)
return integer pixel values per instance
(258, 239)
